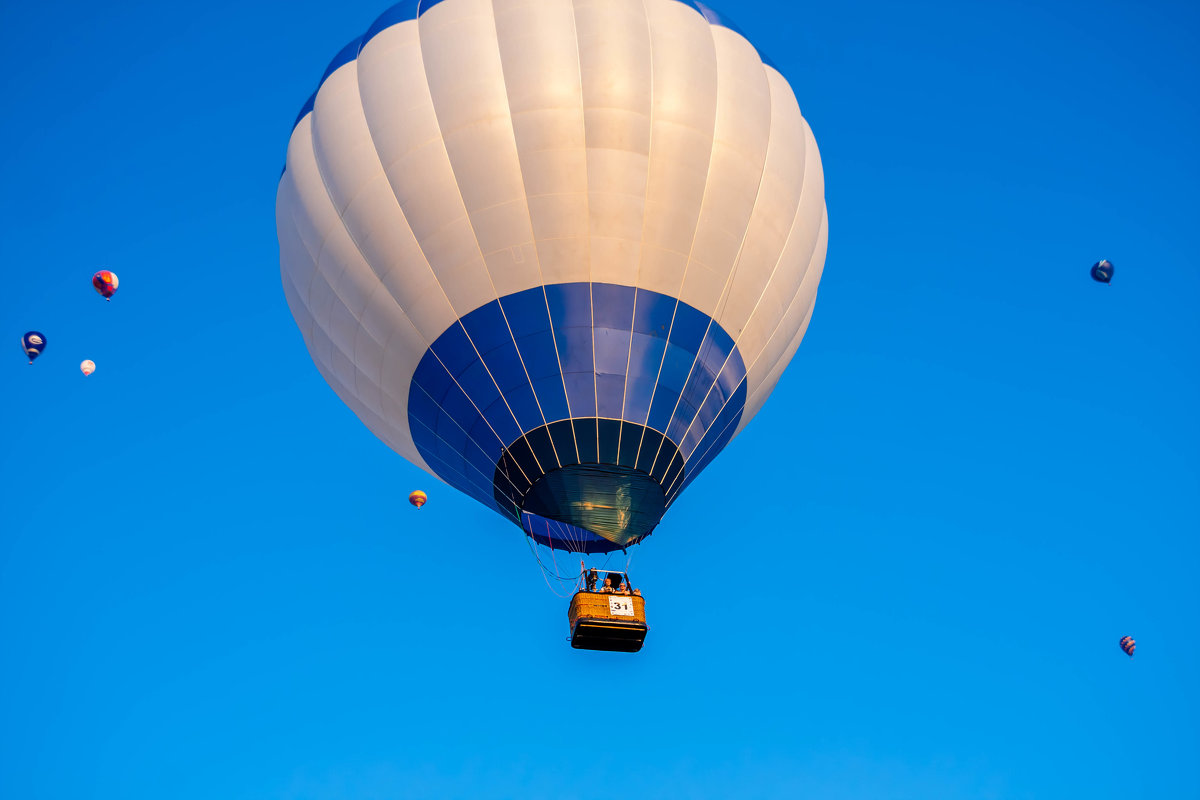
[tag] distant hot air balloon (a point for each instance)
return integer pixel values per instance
(418, 498)
(106, 283)
(87, 367)
(1128, 645)
(1102, 271)
(556, 254)
(33, 343)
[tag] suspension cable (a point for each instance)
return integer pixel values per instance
(545, 573)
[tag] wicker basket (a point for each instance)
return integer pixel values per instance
(602, 621)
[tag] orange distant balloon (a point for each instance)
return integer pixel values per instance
(417, 498)
(1128, 645)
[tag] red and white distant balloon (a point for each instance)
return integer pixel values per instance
(106, 283)
(87, 367)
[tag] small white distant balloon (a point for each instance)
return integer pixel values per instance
(87, 367)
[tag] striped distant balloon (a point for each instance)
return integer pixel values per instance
(555, 253)
(1128, 645)
(418, 498)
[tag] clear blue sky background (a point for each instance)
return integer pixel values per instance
(906, 579)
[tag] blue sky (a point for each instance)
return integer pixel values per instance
(905, 579)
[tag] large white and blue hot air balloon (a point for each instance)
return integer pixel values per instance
(555, 252)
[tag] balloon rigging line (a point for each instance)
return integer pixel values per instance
(543, 569)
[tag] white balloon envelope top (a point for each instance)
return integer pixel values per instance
(555, 254)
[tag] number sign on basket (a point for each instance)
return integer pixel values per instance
(620, 606)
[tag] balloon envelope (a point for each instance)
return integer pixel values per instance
(33, 343)
(106, 283)
(1128, 645)
(418, 498)
(1102, 271)
(87, 367)
(556, 255)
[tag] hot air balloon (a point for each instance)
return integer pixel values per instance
(106, 283)
(33, 343)
(1102, 271)
(418, 498)
(1128, 645)
(87, 367)
(556, 254)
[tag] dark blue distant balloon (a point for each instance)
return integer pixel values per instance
(33, 343)
(1102, 271)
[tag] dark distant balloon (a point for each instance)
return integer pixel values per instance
(33, 343)
(106, 283)
(1102, 271)
(1128, 645)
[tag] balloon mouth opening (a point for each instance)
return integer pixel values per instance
(617, 503)
(611, 492)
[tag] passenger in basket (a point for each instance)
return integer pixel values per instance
(607, 587)
(622, 589)
(638, 592)
(590, 580)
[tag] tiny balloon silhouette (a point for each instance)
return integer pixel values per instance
(1102, 271)
(418, 498)
(33, 343)
(87, 367)
(1128, 645)
(106, 283)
